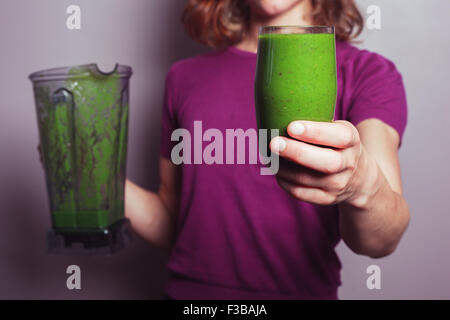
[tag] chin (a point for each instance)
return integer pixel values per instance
(270, 8)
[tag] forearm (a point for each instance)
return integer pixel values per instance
(373, 223)
(149, 216)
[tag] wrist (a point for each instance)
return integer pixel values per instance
(368, 180)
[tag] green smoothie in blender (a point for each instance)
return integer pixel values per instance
(83, 124)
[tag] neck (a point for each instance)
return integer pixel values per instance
(295, 15)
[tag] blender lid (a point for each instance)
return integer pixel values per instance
(79, 71)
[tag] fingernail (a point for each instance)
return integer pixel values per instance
(297, 128)
(278, 145)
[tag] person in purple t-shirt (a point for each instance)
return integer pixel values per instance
(236, 234)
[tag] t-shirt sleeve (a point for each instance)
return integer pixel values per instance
(168, 116)
(379, 93)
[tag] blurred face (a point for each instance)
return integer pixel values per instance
(270, 8)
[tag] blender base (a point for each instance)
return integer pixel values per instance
(85, 242)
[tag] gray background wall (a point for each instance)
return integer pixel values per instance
(147, 35)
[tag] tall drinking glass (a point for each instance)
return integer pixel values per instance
(295, 75)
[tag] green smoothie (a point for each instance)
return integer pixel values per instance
(295, 79)
(83, 130)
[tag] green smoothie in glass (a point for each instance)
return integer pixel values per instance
(295, 76)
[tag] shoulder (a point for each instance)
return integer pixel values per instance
(372, 87)
(364, 63)
(190, 67)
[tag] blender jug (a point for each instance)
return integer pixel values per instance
(82, 116)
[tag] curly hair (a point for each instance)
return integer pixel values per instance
(221, 23)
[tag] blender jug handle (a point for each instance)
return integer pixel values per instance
(63, 104)
(62, 95)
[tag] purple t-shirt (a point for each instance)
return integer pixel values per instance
(240, 236)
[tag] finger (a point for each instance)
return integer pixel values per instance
(325, 160)
(309, 178)
(338, 134)
(302, 176)
(311, 195)
(40, 152)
